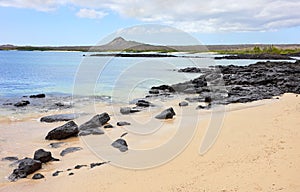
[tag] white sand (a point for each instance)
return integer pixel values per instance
(258, 149)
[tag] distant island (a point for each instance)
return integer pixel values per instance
(119, 44)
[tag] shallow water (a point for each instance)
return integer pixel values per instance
(31, 72)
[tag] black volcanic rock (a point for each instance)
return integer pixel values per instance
(26, 166)
(95, 122)
(166, 114)
(164, 88)
(190, 70)
(143, 103)
(122, 123)
(22, 103)
(183, 104)
(69, 150)
(128, 110)
(65, 131)
(120, 144)
(92, 126)
(38, 176)
(240, 84)
(59, 117)
(43, 156)
(108, 126)
(42, 95)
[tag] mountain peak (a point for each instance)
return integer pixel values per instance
(119, 39)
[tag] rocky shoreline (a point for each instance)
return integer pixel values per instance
(237, 84)
(214, 86)
(256, 56)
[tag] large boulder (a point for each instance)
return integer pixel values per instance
(59, 117)
(26, 166)
(65, 131)
(92, 126)
(95, 122)
(43, 156)
(166, 114)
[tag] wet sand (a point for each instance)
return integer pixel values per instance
(257, 150)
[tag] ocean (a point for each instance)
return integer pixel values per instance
(76, 73)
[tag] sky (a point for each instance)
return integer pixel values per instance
(78, 22)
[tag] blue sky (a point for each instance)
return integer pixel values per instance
(74, 22)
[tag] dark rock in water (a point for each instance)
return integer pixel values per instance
(22, 103)
(164, 88)
(7, 103)
(232, 84)
(128, 110)
(69, 150)
(43, 156)
(38, 176)
(207, 99)
(190, 70)
(183, 103)
(38, 96)
(108, 126)
(122, 123)
(120, 144)
(65, 131)
(95, 122)
(10, 159)
(154, 91)
(79, 166)
(143, 103)
(56, 173)
(92, 165)
(59, 117)
(56, 145)
(94, 131)
(26, 166)
(71, 174)
(166, 114)
(64, 104)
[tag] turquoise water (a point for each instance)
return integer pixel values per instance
(32, 72)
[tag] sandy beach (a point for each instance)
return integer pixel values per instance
(257, 150)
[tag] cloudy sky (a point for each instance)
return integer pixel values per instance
(78, 22)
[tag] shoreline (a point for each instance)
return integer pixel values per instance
(193, 169)
(249, 102)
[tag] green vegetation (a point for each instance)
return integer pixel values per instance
(260, 50)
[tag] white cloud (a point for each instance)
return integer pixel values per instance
(40, 5)
(90, 13)
(189, 15)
